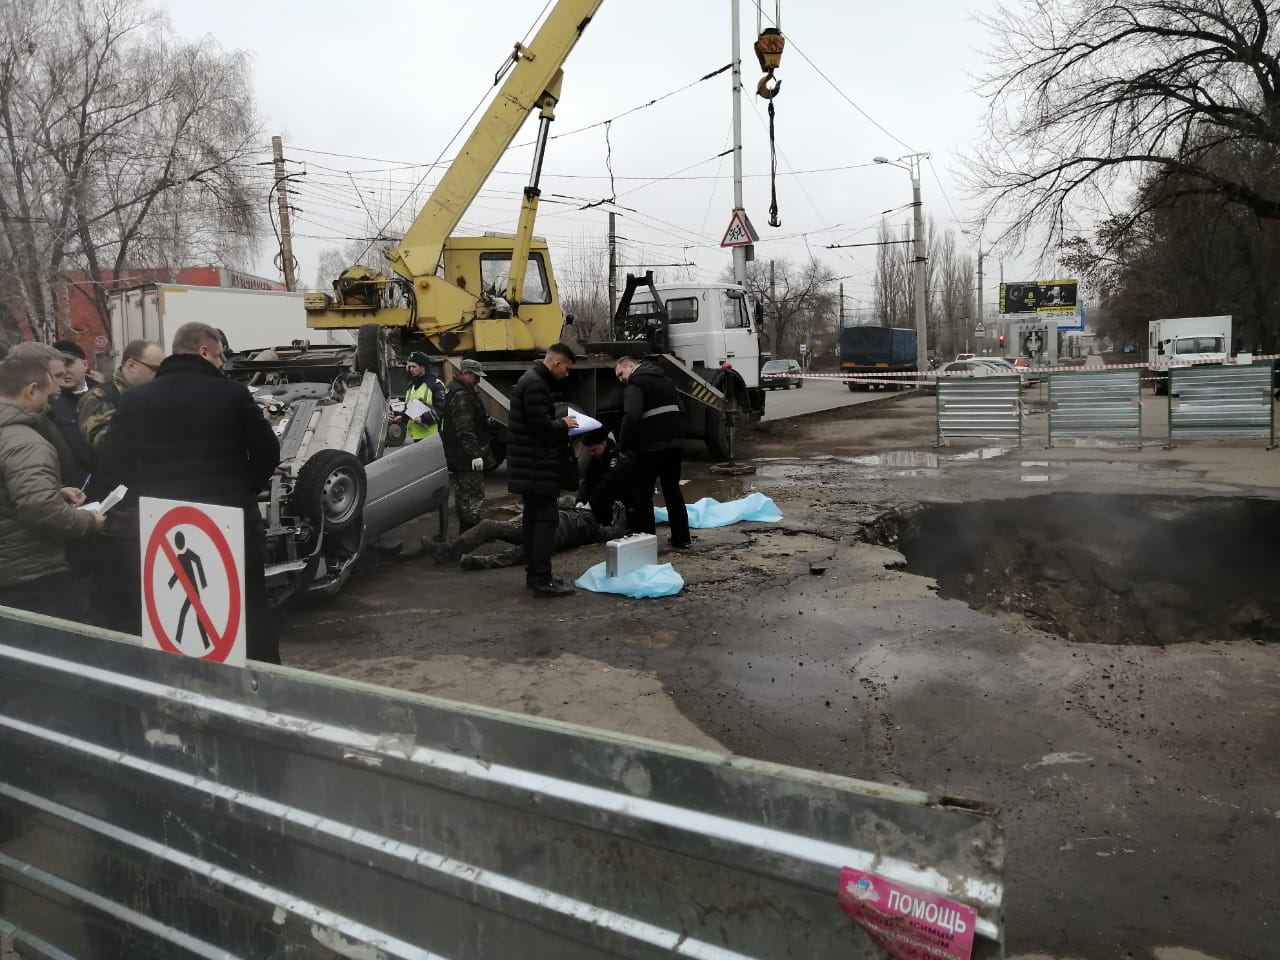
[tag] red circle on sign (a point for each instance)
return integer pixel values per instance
(222, 642)
(100, 343)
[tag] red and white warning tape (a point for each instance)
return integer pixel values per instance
(861, 377)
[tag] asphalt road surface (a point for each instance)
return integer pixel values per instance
(814, 397)
(1137, 781)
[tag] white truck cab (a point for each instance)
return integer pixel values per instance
(1180, 341)
(708, 325)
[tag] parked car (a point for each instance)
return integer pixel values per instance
(973, 367)
(781, 373)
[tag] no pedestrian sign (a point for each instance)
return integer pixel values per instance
(193, 579)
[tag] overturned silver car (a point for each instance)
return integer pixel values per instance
(340, 485)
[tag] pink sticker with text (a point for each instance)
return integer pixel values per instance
(909, 923)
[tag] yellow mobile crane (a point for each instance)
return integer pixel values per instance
(495, 297)
(451, 290)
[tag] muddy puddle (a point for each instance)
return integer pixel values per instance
(1125, 569)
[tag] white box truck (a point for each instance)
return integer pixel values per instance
(251, 319)
(1182, 341)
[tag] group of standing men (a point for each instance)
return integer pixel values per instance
(169, 427)
(540, 461)
(174, 428)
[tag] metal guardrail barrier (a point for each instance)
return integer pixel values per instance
(1221, 401)
(154, 806)
(980, 408)
(1096, 405)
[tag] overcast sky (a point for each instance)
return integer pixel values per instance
(362, 96)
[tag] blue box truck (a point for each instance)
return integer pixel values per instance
(876, 350)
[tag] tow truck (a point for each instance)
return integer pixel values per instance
(494, 297)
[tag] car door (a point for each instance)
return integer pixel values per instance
(740, 346)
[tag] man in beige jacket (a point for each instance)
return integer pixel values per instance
(38, 516)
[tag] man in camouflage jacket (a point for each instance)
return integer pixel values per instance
(138, 365)
(466, 438)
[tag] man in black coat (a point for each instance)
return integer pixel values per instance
(652, 430)
(191, 434)
(537, 448)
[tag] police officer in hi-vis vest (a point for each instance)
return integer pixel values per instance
(422, 387)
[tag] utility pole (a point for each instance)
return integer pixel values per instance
(739, 253)
(922, 328)
(613, 266)
(980, 314)
(921, 257)
(841, 304)
(287, 263)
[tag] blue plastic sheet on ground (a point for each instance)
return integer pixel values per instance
(708, 512)
(651, 580)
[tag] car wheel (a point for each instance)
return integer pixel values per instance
(799, 384)
(330, 491)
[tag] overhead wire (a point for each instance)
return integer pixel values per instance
(943, 190)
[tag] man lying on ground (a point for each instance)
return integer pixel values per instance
(576, 527)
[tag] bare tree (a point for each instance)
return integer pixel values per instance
(123, 148)
(582, 273)
(1192, 255)
(891, 288)
(951, 293)
(800, 302)
(1089, 96)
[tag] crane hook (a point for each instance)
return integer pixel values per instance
(766, 92)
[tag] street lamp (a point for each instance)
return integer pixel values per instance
(922, 333)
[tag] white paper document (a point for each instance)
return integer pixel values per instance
(585, 423)
(415, 408)
(111, 499)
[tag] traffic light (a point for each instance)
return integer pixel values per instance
(1002, 339)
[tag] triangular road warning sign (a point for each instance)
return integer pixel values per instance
(739, 233)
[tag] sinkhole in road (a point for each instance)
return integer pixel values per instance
(1108, 568)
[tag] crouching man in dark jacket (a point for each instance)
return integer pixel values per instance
(536, 450)
(607, 479)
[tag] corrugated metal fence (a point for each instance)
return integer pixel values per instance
(1096, 405)
(1221, 401)
(153, 806)
(980, 408)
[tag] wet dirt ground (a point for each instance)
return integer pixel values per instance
(1139, 783)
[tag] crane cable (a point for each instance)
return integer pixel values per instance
(768, 47)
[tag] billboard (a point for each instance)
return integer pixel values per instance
(1038, 297)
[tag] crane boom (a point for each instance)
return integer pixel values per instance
(469, 293)
(532, 83)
